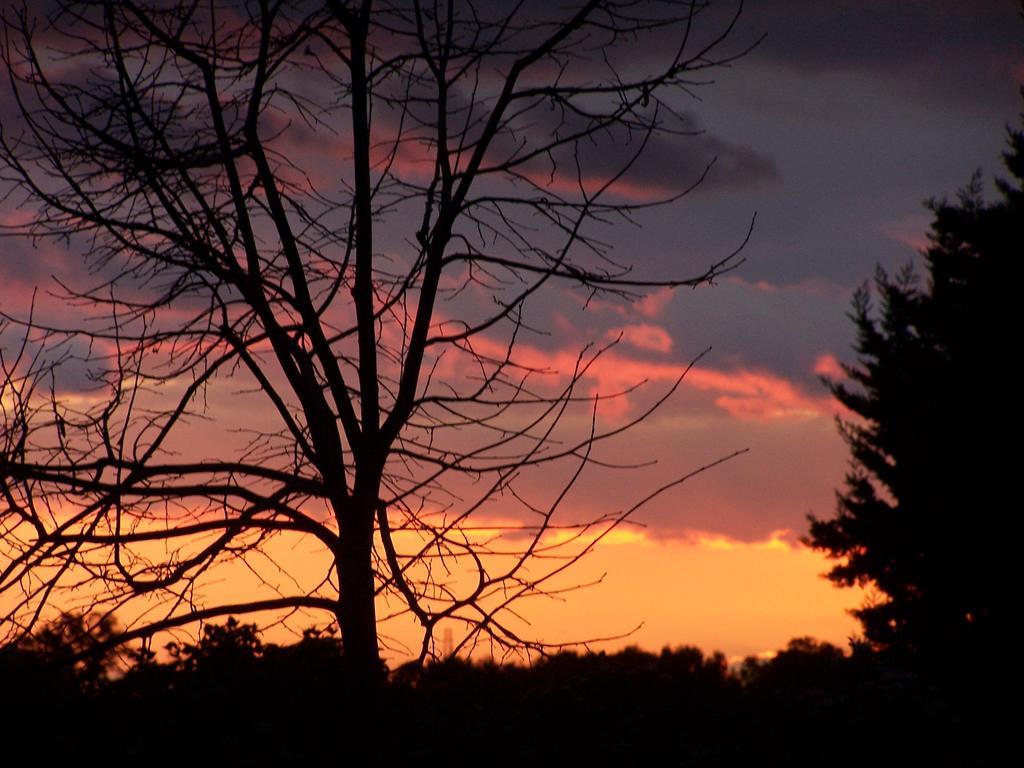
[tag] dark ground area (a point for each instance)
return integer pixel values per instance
(231, 700)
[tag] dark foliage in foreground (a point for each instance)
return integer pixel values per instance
(231, 699)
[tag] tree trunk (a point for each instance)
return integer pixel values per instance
(357, 616)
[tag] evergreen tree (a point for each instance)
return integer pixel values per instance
(929, 515)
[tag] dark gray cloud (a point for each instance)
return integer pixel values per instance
(910, 43)
(782, 329)
(27, 264)
(662, 164)
(65, 364)
(23, 264)
(674, 163)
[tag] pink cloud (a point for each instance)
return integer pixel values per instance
(815, 286)
(743, 394)
(758, 395)
(18, 218)
(573, 185)
(828, 365)
(910, 231)
(653, 303)
(645, 336)
(648, 306)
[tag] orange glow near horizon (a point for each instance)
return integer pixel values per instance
(719, 594)
(742, 598)
(705, 590)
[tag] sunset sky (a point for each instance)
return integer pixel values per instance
(834, 131)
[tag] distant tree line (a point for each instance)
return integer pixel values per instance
(231, 698)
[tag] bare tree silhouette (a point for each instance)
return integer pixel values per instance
(289, 211)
